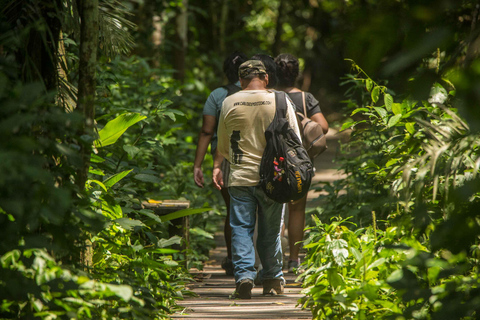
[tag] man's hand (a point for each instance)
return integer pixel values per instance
(198, 177)
(218, 178)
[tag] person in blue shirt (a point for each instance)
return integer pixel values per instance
(208, 135)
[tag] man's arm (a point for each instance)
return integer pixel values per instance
(217, 171)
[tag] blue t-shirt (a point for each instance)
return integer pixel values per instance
(213, 106)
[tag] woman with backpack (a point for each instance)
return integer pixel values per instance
(287, 73)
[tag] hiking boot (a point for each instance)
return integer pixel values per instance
(273, 286)
(293, 265)
(244, 289)
(227, 265)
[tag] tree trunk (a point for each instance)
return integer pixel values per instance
(87, 80)
(277, 43)
(223, 27)
(181, 41)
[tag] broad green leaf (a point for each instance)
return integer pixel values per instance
(161, 250)
(340, 255)
(397, 108)
(183, 213)
(115, 178)
(112, 210)
(358, 110)
(347, 125)
(98, 172)
(410, 126)
(375, 94)
(376, 263)
(201, 232)
(394, 120)
(381, 111)
(96, 159)
(99, 183)
(388, 100)
(131, 150)
(356, 253)
(150, 214)
(162, 243)
(369, 84)
(123, 291)
(171, 263)
(116, 127)
(391, 162)
(396, 275)
(147, 178)
(164, 103)
(334, 278)
(129, 224)
(10, 258)
(170, 114)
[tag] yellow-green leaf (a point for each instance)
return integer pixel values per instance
(410, 127)
(397, 108)
(390, 162)
(116, 127)
(381, 111)
(388, 100)
(375, 94)
(358, 110)
(369, 84)
(115, 178)
(394, 120)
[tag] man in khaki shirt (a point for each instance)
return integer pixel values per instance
(243, 120)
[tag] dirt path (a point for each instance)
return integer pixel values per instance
(214, 288)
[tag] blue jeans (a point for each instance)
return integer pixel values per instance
(244, 202)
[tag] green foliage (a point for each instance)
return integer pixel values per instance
(346, 271)
(151, 148)
(134, 271)
(413, 166)
(38, 287)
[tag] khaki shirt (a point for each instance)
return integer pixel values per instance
(243, 120)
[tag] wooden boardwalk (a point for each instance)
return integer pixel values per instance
(214, 288)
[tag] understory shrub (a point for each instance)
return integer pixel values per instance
(412, 187)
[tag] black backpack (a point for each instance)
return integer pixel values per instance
(286, 170)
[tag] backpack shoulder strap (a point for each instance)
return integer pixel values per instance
(304, 104)
(280, 104)
(231, 89)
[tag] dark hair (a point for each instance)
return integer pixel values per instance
(287, 70)
(270, 67)
(231, 64)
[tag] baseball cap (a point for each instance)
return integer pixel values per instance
(251, 67)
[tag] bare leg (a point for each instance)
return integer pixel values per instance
(227, 229)
(296, 224)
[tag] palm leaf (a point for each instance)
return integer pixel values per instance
(114, 28)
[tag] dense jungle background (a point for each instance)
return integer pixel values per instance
(100, 109)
